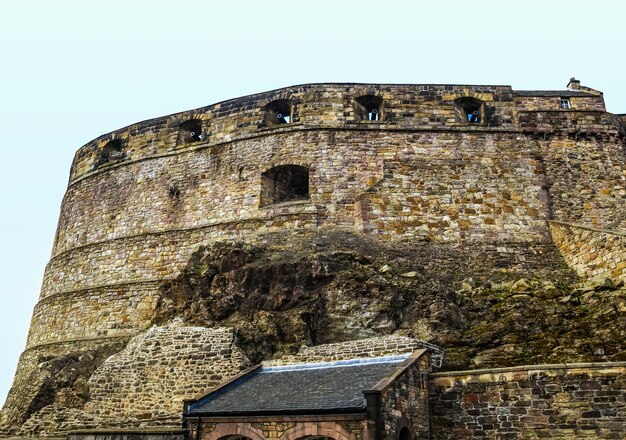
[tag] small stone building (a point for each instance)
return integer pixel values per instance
(358, 399)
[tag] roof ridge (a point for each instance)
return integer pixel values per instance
(334, 364)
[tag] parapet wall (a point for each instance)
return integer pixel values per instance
(330, 105)
(591, 252)
(542, 401)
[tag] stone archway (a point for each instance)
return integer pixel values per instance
(318, 431)
(235, 431)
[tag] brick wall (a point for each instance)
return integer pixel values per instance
(338, 427)
(545, 401)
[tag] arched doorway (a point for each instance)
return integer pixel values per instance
(405, 434)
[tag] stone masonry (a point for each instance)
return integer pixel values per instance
(143, 199)
(591, 252)
(577, 401)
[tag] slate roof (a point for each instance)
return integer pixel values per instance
(306, 388)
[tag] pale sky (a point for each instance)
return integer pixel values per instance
(72, 70)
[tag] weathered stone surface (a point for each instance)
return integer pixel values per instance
(592, 253)
(144, 382)
(157, 370)
(159, 223)
(50, 387)
(548, 401)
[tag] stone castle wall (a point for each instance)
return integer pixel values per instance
(130, 382)
(591, 252)
(420, 173)
(133, 216)
(543, 401)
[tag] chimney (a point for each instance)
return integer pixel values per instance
(573, 84)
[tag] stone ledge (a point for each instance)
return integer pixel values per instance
(72, 341)
(566, 366)
(193, 228)
(178, 152)
(588, 228)
(84, 290)
(147, 430)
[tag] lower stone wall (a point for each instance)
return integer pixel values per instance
(337, 427)
(118, 383)
(591, 252)
(404, 404)
(574, 401)
(128, 435)
(157, 370)
(50, 387)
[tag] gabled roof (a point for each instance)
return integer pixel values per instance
(328, 387)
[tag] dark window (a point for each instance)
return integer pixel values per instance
(111, 152)
(470, 110)
(190, 131)
(278, 113)
(565, 104)
(405, 434)
(368, 108)
(284, 183)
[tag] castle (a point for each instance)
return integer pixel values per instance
(191, 246)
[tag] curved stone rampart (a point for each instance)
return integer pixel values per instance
(314, 106)
(141, 200)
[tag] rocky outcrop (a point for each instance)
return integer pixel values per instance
(52, 379)
(343, 287)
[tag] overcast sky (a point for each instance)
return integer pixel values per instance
(72, 70)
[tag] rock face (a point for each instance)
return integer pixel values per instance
(228, 227)
(329, 289)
